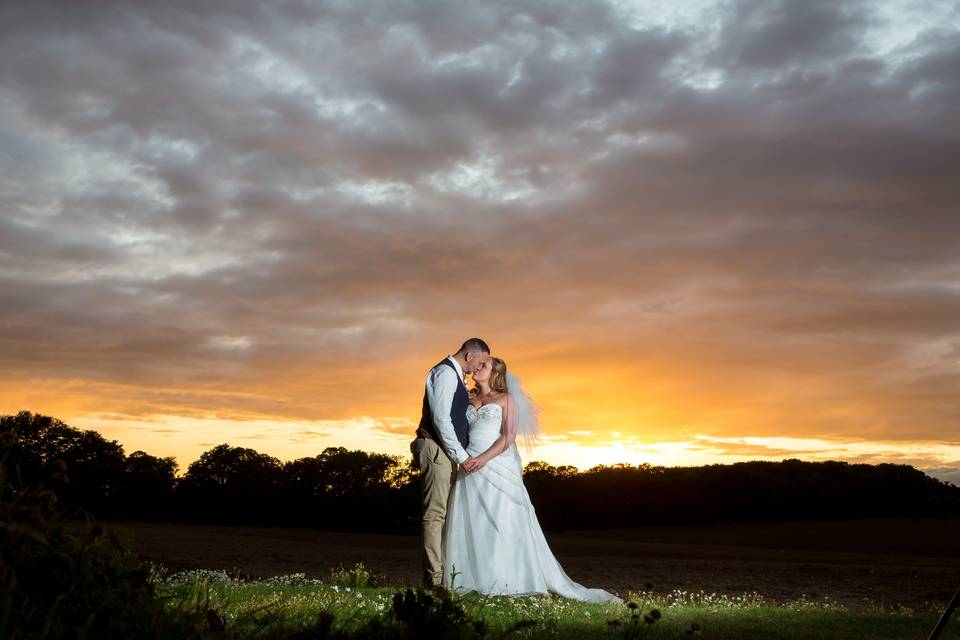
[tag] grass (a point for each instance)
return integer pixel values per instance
(273, 607)
(854, 562)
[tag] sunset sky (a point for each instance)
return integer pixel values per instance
(724, 232)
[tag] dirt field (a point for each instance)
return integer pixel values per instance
(906, 562)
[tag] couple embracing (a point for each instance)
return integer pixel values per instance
(480, 531)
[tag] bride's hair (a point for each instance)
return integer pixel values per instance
(498, 382)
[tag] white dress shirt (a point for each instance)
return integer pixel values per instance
(441, 386)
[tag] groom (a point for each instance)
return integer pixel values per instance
(441, 446)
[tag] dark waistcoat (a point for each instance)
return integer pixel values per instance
(458, 412)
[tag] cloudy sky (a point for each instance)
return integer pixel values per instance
(723, 232)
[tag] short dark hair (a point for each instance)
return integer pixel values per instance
(474, 344)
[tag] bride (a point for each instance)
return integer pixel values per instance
(494, 544)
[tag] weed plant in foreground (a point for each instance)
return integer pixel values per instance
(80, 582)
(293, 606)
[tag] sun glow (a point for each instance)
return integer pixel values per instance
(187, 438)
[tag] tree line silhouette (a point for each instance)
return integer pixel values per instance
(354, 490)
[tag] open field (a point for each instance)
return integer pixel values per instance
(859, 564)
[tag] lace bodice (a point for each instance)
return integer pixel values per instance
(484, 424)
(484, 411)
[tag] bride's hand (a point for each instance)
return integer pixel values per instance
(472, 464)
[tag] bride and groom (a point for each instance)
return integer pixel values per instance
(480, 531)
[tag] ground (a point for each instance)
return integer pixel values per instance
(860, 563)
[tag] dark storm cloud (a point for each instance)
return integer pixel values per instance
(210, 202)
(771, 35)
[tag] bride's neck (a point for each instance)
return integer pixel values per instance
(484, 388)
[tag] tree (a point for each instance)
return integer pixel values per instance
(33, 443)
(148, 486)
(344, 489)
(232, 484)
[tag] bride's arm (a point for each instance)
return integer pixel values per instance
(508, 433)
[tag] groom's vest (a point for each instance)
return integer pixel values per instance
(458, 412)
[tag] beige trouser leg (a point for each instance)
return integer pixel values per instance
(437, 474)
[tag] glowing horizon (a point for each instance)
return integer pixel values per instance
(163, 436)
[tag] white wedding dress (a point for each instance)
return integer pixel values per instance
(493, 540)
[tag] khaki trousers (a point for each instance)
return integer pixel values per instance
(437, 474)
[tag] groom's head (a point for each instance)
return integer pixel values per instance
(472, 353)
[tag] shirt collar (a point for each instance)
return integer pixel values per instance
(456, 365)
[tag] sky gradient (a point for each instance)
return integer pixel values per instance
(721, 233)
